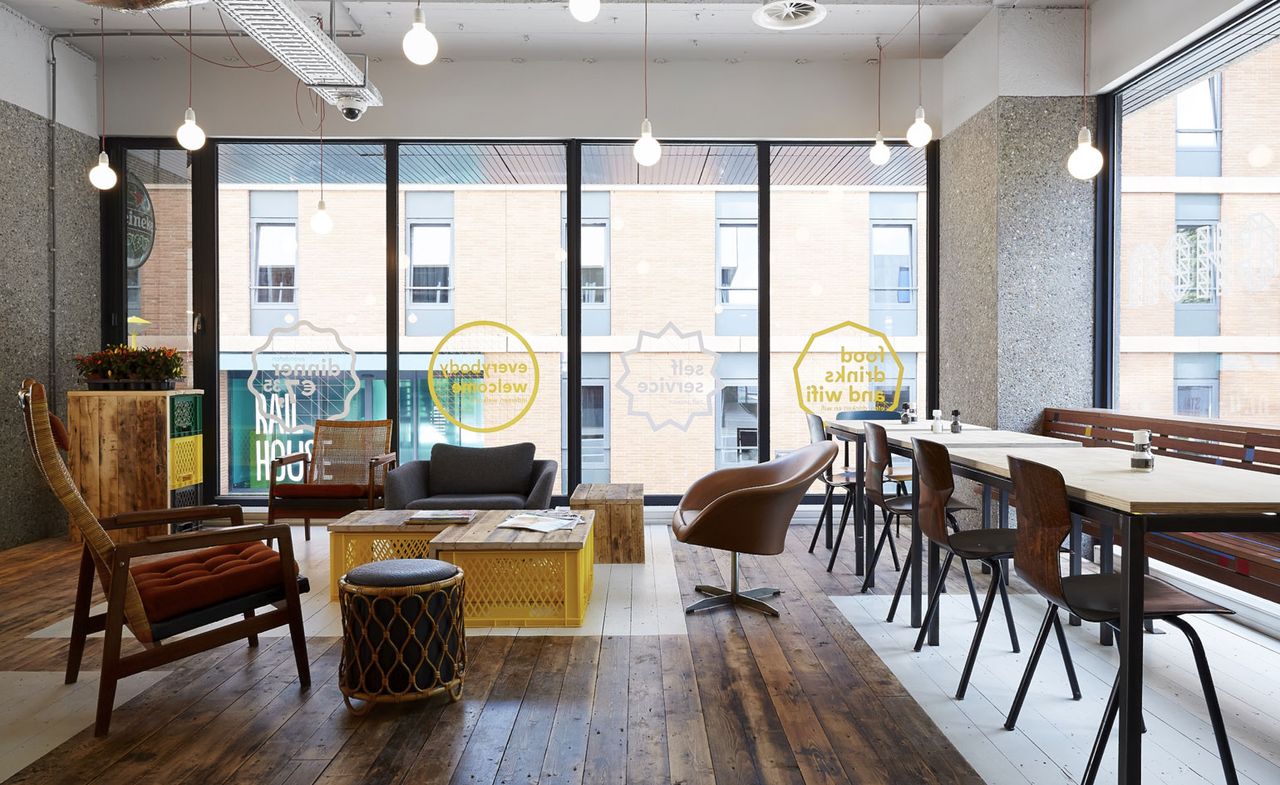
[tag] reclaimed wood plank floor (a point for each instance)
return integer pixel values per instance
(641, 696)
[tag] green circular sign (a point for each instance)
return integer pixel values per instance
(139, 223)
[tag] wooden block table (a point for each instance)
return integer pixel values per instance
(619, 521)
(373, 535)
(518, 578)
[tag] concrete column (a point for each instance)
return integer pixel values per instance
(1016, 266)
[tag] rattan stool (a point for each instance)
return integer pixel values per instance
(403, 636)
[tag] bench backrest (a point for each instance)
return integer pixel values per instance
(1229, 443)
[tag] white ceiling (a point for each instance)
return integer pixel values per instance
(504, 30)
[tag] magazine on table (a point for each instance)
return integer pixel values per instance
(543, 521)
(442, 516)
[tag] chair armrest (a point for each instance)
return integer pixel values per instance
(384, 463)
(544, 484)
(209, 512)
(174, 543)
(278, 463)
(406, 483)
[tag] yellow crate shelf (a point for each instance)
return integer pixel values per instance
(186, 461)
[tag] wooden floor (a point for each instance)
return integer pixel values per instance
(730, 697)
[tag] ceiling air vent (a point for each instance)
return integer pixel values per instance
(143, 5)
(789, 14)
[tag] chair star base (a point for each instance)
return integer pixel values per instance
(751, 598)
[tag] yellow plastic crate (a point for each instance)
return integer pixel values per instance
(526, 588)
(186, 461)
(348, 550)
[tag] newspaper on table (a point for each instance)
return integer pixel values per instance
(543, 521)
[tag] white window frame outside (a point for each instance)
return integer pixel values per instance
(723, 291)
(255, 227)
(445, 293)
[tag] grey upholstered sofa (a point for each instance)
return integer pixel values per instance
(473, 478)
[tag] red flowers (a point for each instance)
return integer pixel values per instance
(122, 363)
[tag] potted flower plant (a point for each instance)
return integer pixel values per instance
(129, 368)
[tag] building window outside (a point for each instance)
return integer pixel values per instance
(430, 262)
(595, 262)
(893, 263)
(1195, 383)
(273, 219)
(737, 423)
(133, 288)
(596, 250)
(1198, 114)
(1197, 254)
(737, 258)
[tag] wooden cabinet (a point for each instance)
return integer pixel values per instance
(136, 450)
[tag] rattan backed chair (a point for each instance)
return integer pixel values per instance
(208, 577)
(345, 471)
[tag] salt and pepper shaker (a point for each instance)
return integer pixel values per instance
(936, 426)
(955, 421)
(906, 414)
(1142, 460)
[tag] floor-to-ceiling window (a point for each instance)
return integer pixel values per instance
(302, 312)
(669, 364)
(1198, 231)
(846, 272)
(481, 345)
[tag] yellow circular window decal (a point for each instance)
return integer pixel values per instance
(494, 375)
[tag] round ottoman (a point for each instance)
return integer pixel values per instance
(402, 632)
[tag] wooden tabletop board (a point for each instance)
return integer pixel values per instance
(1101, 475)
(603, 492)
(976, 438)
(483, 534)
(854, 427)
(386, 522)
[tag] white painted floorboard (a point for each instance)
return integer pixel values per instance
(1054, 735)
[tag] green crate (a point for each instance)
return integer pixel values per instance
(185, 416)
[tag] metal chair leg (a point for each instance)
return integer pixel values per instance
(1042, 637)
(893, 549)
(875, 557)
(718, 596)
(973, 592)
(826, 508)
(1210, 698)
(844, 521)
(935, 597)
(998, 575)
(1104, 731)
(902, 583)
(1066, 655)
(977, 637)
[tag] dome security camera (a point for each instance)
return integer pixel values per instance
(352, 107)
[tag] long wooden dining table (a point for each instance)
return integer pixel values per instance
(1178, 496)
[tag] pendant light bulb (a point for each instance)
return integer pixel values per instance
(1086, 161)
(584, 10)
(920, 133)
(647, 149)
(880, 152)
(103, 176)
(419, 45)
(190, 135)
(321, 221)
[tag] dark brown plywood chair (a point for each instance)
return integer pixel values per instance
(1044, 521)
(345, 471)
(747, 509)
(207, 577)
(989, 546)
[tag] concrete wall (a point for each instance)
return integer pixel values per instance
(486, 99)
(30, 511)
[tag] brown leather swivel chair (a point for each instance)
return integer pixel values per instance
(747, 509)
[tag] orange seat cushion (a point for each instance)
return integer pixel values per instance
(323, 490)
(190, 581)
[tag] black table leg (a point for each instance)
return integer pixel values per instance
(1004, 524)
(1074, 544)
(866, 540)
(986, 518)
(1106, 565)
(1130, 770)
(917, 555)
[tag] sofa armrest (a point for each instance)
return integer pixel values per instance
(544, 484)
(407, 483)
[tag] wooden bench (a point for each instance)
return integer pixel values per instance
(1248, 562)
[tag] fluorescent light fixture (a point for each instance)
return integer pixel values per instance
(288, 34)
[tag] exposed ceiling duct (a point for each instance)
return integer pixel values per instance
(290, 35)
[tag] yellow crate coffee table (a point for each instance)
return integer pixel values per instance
(374, 535)
(518, 578)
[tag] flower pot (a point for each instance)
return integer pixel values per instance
(131, 384)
